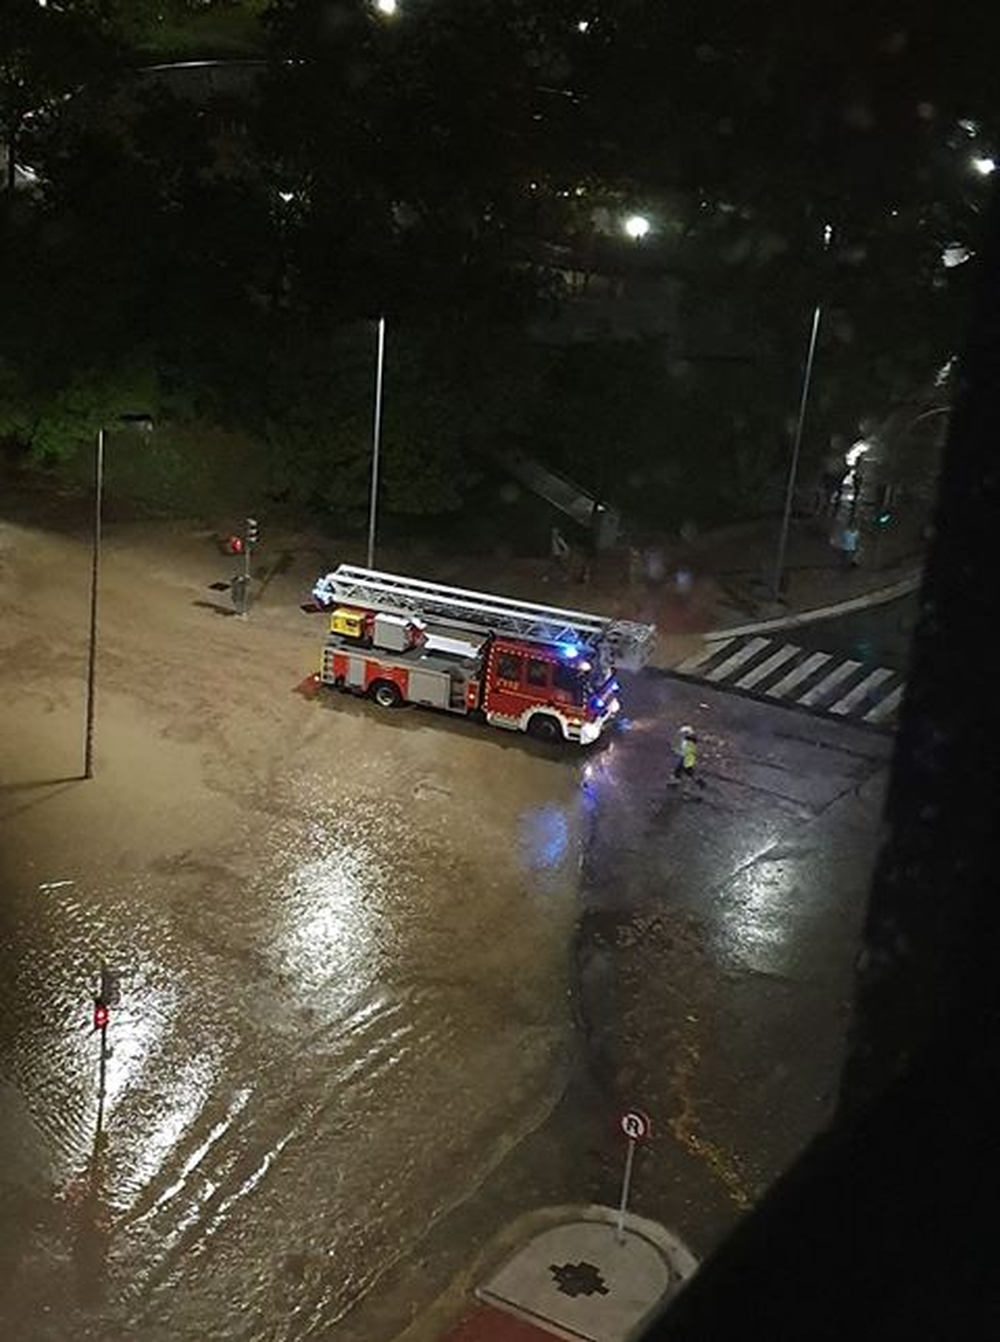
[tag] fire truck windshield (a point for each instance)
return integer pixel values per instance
(580, 679)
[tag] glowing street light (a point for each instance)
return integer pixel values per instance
(984, 166)
(855, 453)
(387, 8)
(636, 226)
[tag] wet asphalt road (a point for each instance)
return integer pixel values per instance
(362, 958)
(725, 922)
(879, 636)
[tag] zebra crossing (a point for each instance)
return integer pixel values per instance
(823, 682)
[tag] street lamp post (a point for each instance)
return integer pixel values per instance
(376, 442)
(95, 574)
(793, 467)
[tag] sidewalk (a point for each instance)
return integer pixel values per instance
(573, 1277)
(721, 581)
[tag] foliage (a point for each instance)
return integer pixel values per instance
(45, 54)
(226, 257)
(175, 29)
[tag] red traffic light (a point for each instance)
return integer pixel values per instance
(101, 1014)
(236, 545)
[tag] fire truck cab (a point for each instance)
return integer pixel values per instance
(520, 666)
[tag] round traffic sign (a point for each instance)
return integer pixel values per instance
(635, 1125)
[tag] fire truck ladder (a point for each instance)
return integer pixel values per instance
(630, 642)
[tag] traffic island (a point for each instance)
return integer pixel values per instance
(586, 1278)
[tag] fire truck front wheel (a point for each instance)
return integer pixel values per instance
(386, 694)
(544, 727)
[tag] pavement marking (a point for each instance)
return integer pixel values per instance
(828, 684)
(822, 682)
(887, 707)
(798, 675)
(731, 664)
(861, 691)
(705, 655)
(769, 664)
(880, 597)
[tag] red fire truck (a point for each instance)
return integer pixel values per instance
(522, 666)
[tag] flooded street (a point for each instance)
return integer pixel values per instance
(343, 943)
(387, 978)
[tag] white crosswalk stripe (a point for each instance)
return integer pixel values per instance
(706, 654)
(734, 662)
(821, 682)
(797, 675)
(863, 688)
(887, 708)
(769, 664)
(825, 688)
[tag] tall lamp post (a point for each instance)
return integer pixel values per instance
(793, 467)
(376, 442)
(95, 574)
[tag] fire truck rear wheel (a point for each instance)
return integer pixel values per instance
(544, 727)
(386, 694)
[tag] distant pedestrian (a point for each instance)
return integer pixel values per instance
(559, 546)
(686, 751)
(634, 567)
(834, 473)
(850, 541)
(857, 487)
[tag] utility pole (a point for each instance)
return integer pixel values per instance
(145, 421)
(376, 442)
(793, 469)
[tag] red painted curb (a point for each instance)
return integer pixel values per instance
(493, 1325)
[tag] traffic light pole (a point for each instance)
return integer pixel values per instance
(245, 593)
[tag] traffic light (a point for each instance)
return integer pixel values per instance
(110, 990)
(101, 1014)
(252, 531)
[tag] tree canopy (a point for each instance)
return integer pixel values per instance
(226, 243)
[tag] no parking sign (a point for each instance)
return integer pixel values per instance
(636, 1127)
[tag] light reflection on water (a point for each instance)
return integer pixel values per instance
(137, 1034)
(758, 931)
(196, 1157)
(329, 913)
(138, 1163)
(543, 836)
(263, 1008)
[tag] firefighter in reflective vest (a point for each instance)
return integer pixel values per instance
(687, 757)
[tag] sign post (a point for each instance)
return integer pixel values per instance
(636, 1127)
(250, 536)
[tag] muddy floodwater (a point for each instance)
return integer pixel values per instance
(343, 943)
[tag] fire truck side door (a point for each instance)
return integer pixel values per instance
(539, 674)
(508, 669)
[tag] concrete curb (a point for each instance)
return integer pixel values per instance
(520, 1286)
(879, 597)
(471, 1285)
(532, 1223)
